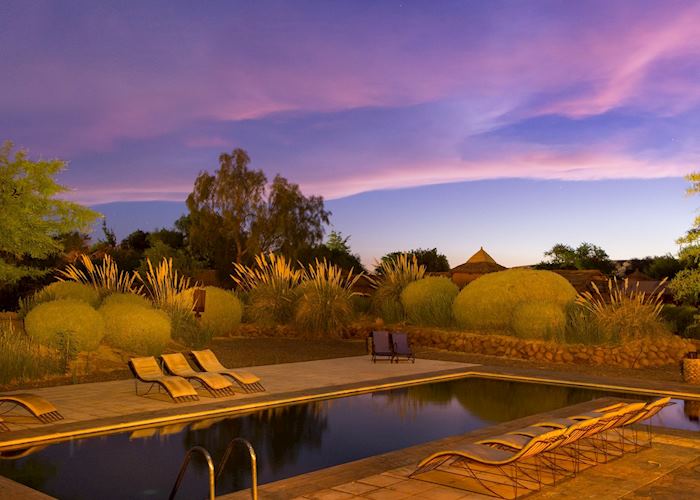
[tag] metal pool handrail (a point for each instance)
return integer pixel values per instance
(253, 463)
(183, 468)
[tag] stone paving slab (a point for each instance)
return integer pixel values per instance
(105, 404)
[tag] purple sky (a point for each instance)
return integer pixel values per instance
(350, 99)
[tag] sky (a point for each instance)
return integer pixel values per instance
(512, 125)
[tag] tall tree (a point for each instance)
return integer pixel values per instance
(233, 216)
(585, 256)
(32, 219)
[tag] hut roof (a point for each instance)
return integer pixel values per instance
(638, 275)
(582, 279)
(479, 263)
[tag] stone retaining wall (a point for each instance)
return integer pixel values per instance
(637, 354)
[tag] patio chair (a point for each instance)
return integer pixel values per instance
(381, 345)
(44, 411)
(3, 426)
(490, 471)
(207, 361)
(216, 384)
(146, 370)
(401, 347)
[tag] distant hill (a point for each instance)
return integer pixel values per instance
(126, 217)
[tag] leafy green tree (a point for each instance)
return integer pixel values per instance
(663, 266)
(585, 256)
(685, 286)
(233, 217)
(336, 250)
(433, 261)
(32, 219)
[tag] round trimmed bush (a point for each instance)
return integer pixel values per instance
(539, 320)
(72, 290)
(489, 302)
(222, 310)
(135, 328)
(127, 298)
(49, 322)
(428, 301)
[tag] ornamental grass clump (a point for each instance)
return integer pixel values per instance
(393, 276)
(66, 321)
(22, 359)
(271, 288)
(135, 328)
(164, 285)
(325, 299)
(428, 301)
(222, 310)
(104, 278)
(625, 313)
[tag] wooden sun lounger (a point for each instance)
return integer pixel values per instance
(381, 345)
(207, 361)
(3, 427)
(490, 471)
(146, 370)
(215, 383)
(44, 411)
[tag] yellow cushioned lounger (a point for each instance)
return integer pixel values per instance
(147, 371)
(44, 411)
(215, 383)
(207, 361)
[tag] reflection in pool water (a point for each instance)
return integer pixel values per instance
(294, 439)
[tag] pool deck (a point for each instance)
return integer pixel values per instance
(105, 407)
(668, 470)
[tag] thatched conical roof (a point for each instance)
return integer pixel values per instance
(479, 263)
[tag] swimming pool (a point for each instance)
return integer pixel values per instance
(294, 439)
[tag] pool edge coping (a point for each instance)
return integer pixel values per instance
(342, 391)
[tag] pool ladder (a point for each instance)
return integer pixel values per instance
(213, 475)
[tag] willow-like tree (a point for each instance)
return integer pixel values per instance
(234, 215)
(32, 218)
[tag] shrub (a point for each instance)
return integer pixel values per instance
(72, 290)
(429, 301)
(325, 301)
(135, 328)
(271, 288)
(538, 320)
(222, 310)
(188, 329)
(685, 286)
(393, 276)
(624, 313)
(679, 318)
(50, 322)
(489, 302)
(127, 298)
(22, 359)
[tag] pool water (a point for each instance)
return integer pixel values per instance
(294, 439)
